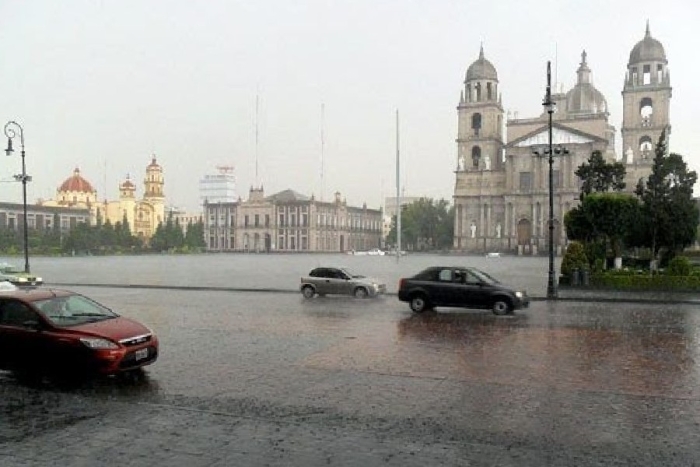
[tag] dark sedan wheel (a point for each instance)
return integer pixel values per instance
(361, 292)
(308, 292)
(501, 307)
(419, 303)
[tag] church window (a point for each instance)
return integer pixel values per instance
(634, 75)
(257, 220)
(476, 155)
(246, 220)
(646, 109)
(659, 73)
(645, 145)
(525, 181)
(267, 220)
(476, 123)
(646, 74)
(469, 92)
(489, 91)
(478, 92)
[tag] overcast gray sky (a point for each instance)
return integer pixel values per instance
(102, 85)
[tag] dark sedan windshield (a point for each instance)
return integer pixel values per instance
(484, 276)
(72, 310)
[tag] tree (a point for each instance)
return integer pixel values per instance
(194, 237)
(426, 224)
(669, 213)
(597, 175)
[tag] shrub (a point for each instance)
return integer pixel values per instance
(679, 266)
(645, 282)
(598, 265)
(574, 258)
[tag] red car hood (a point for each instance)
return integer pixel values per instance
(115, 329)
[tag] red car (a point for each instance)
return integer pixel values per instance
(62, 333)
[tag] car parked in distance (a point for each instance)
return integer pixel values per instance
(16, 276)
(60, 333)
(455, 286)
(339, 281)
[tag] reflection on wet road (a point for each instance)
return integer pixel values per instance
(342, 381)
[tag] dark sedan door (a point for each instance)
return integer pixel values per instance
(473, 293)
(444, 289)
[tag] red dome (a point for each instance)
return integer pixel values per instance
(76, 183)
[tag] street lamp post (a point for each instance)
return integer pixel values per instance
(549, 152)
(12, 128)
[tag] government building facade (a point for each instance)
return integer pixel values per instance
(289, 221)
(501, 193)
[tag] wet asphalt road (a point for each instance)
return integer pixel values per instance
(269, 379)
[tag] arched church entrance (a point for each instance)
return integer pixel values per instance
(524, 232)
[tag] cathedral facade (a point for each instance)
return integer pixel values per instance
(143, 215)
(501, 193)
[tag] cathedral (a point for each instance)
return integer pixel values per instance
(143, 215)
(501, 193)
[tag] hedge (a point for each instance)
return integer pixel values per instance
(645, 282)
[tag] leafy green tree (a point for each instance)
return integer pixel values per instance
(599, 176)
(194, 237)
(426, 224)
(669, 214)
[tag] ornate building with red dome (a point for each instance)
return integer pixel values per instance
(501, 192)
(143, 215)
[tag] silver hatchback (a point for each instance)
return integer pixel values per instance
(339, 281)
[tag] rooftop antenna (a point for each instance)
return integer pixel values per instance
(257, 106)
(323, 143)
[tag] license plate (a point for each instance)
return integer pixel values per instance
(141, 354)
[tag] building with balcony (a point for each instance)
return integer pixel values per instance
(289, 221)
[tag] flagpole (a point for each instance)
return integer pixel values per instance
(398, 192)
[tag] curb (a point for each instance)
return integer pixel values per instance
(534, 298)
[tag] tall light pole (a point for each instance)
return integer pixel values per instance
(12, 128)
(549, 152)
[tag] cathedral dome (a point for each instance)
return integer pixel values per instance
(76, 183)
(127, 184)
(153, 165)
(481, 69)
(648, 50)
(584, 97)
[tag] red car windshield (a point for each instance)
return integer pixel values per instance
(73, 310)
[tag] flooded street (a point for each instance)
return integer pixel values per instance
(253, 378)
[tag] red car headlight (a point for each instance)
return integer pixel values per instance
(98, 343)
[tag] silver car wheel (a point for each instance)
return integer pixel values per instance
(361, 292)
(308, 292)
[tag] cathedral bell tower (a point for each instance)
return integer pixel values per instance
(646, 98)
(480, 119)
(153, 184)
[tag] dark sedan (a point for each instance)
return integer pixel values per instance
(455, 286)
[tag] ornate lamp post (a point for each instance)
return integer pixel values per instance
(12, 128)
(549, 152)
